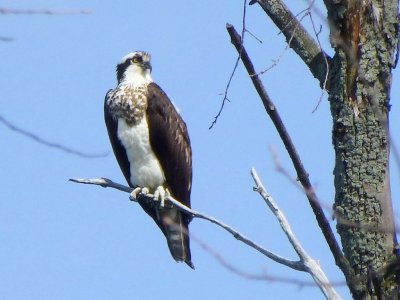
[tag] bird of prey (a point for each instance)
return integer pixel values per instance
(151, 143)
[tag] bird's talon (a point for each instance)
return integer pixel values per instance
(134, 194)
(144, 191)
(138, 192)
(159, 196)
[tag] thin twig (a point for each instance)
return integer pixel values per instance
(50, 12)
(253, 36)
(225, 95)
(47, 143)
(264, 276)
(324, 85)
(6, 39)
(302, 43)
(225, 99)
(302, 174)
(104, 182)
(280, 56)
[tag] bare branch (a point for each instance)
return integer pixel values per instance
(264, 276)
(253, 36)
(305, 264)
(301, 42)
(47, 143)
(302, 174)
(50, 12)
(225, 94)
(103, 182)
(225, 99)
(275, 61)
(259, 188)
(334, 214)
(6, 39)
(12, 11)
(296, 265)
(312, 266)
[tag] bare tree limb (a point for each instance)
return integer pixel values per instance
(301, 42)
(13, 11)
(6, 39)
(305, 264)
(340, 219)
(312, 266)
(104, 182)
(47, 143)
(264, 276)
(50, 12)
(302, 174)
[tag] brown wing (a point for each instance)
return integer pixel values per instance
(170, 142)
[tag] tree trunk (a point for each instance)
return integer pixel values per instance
(364, 35)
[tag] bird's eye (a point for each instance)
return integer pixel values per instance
(136, 59)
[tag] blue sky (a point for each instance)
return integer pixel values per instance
(60, 240)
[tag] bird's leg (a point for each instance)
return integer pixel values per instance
(137, 191)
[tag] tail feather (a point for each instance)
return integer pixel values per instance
(176, 231)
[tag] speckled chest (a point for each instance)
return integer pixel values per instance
(127, 102)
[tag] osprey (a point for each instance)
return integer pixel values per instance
(152, 147)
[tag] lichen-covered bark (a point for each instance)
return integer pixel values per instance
(364, 35)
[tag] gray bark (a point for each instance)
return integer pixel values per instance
(364, 35)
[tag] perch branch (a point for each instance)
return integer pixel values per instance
(302, 174)
(104, 182)
(312, 266)
(300, 41)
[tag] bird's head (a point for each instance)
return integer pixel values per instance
(134, 68)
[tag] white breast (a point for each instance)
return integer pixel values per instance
(145, 169)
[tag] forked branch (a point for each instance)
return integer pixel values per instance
(104, 182)
(311, 265)
(305, 262)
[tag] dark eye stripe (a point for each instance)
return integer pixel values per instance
(137, 59)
